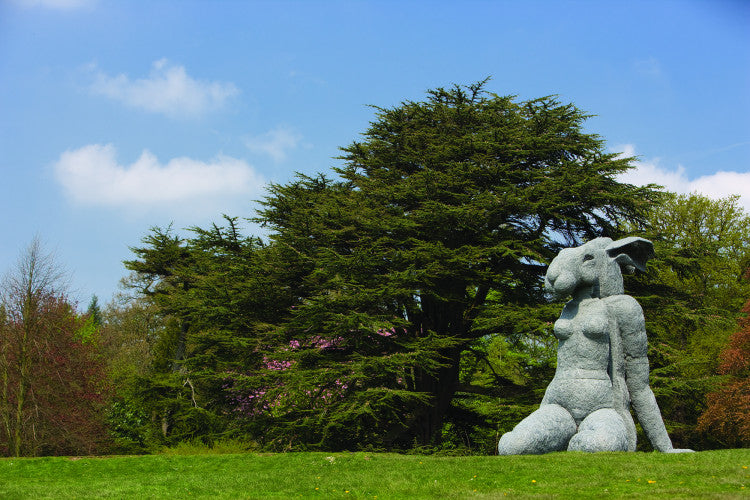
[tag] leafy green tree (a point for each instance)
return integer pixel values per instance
(503, 375)
(215, 298)
(691, 294)
(440, 203)
(91, 329)
(129, 329)
(94, 312)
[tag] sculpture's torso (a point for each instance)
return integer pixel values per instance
(582, 383)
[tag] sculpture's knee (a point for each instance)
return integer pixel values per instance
(603, 430)
(514, 443)
(547, 429)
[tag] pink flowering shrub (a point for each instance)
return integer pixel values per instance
(275, 398)
(275, 390)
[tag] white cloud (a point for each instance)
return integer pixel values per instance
(168, 89)
(274, 143)
(718, 185)
(56, 4)
(92, 176)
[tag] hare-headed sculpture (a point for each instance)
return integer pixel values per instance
(602, 368)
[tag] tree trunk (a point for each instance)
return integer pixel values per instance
(442, 386)
(18, 423)
(446, 318)
(24, 362)
(6, 409)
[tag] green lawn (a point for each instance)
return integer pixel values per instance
(712, 474)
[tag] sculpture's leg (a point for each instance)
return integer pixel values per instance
(603, 430)
(547, 429)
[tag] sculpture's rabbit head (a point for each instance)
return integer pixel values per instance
(599, 262)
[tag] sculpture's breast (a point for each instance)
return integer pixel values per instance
(590, 319)
(594, 321)
(564, 328)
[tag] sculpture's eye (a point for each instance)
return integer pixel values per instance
(588, 256)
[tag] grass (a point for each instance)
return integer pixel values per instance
(710, 474)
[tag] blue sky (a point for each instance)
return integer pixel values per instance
(118, 116)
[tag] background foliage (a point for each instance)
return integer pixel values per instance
(692, 295)
(396, 306)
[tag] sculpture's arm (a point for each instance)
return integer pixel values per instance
(632, 328)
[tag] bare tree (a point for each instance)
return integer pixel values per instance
(25, 294)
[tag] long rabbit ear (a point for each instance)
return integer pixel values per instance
(631, 251)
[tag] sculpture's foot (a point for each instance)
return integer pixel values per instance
(603, 430)
(547, 429)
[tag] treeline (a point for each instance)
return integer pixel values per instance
(399, 304)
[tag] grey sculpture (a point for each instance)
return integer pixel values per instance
(602, 364)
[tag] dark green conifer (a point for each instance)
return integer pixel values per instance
(439, 204)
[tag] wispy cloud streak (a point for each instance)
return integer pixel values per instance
(275, 143)
(56, 4)
(168, 90)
